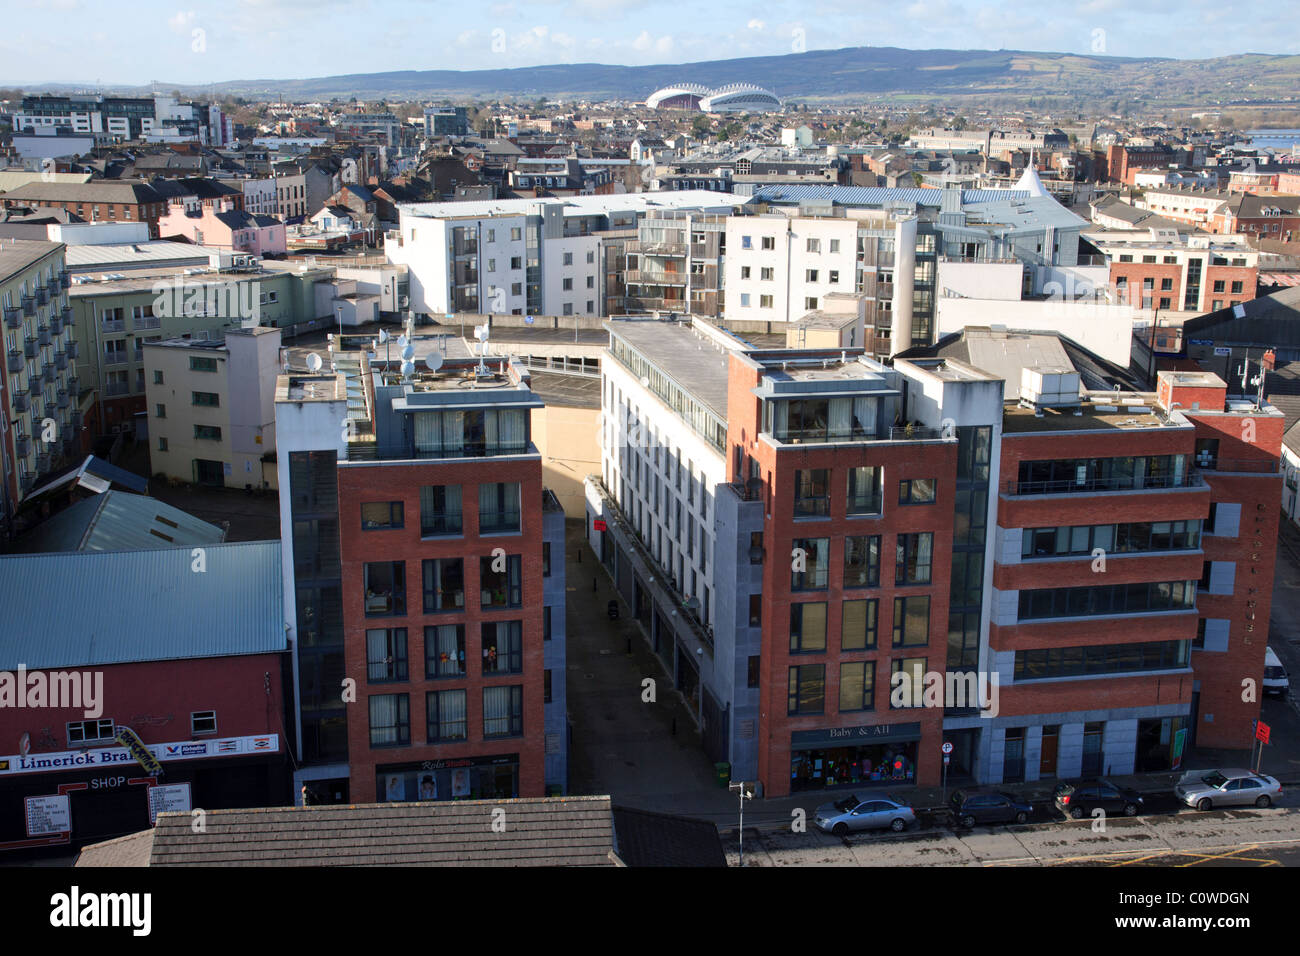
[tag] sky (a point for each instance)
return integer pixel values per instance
(193, 42)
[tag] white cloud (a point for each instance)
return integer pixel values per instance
(755, 24)
(182, 21)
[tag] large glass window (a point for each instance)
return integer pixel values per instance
(807, 690)
(381, 515)
(1073, 475)
(812, 493)
(386, 654)
(385, 583)
(447, 715)
(1044, 663)
(498, 507)
(807, 627)
(909, 689)
(444, 650)
(1135, 598)
(858, 625)
(503, 648)
(916, 491)
(857, 686)
(1133, 536)
(440, 510)
(914, 556)
(500, 580)
(503, 711)
(912, 621)
(809, 563)
(390, 720)
(862, 561)
(864, 497)
(444, 584)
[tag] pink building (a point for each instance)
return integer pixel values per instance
(224, 227)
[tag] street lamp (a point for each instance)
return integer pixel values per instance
(746, 791)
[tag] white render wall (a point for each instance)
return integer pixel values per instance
(554, 296)
(790, 286)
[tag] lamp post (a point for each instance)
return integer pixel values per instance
(746, 791)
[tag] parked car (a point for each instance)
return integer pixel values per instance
(856, 812)
(1276, 681)
(1080, 799)
(1207, 789)
(972, 807)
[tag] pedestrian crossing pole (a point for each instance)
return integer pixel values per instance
(746, 791)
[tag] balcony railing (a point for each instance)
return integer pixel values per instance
(22, 403)
(1070, 486)
(644, 277)
(22, 446)
(61, 360)
(43, 335)
(65, 279)
(29, 306)
(56, 324)
(49, 373)
(1257, 466)
(42, 295)
(74, 349)
(13, 317)
(117, 388)
(15, 362)
(31, 349)
(112, 325)
(146, 322)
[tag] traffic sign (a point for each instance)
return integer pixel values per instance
(1261, 731)
(947, 747)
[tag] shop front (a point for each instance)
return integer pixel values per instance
(883, 754)
(468, 778)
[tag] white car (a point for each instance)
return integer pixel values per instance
(1209, 789)
(1276, 680)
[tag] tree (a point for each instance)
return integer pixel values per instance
(701, 126)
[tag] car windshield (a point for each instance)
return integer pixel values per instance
(1214, 779)
(847, 804)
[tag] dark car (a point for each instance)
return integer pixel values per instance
(972, 807)
(1080, 799)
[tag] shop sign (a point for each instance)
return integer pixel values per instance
(121, 757)
(854, 736)
(48, 815)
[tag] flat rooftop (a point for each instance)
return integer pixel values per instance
(644, 203)
(1094, 417)
(17, 254)
(688, 358)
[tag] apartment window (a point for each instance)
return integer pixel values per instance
(591, 258)
(834, 276)
(864, 497)
(1218, 285)
(754, 671)
(203, 722)
(810, 303)
(744, 272)
(546, 687)
(756, 610)
(82, 732)
(499, 581)
(385, 584)
(747, 242)
(810, 275)
(386, 654)
(914, 670)
(498, 507)
(516, 262)
(812, 493)
(390, 720)
(503, 649)
(769, 242)
(765, 302)
(447, 715)
(756, 547)
(546, 559)
(516, 234)
(160, 410)
(591, 282)
(1166, 285)
(814, 245)
(492, 265)
(381, 515)
(835, 247)
(807, 689)
(1145, 597)
(766, 273)
(916, 491)
(914, 555)
(157, 376)
(162, 444)
(808, 628)
(207, 432)
(858, 625)
(862, 561)
(810, 561)
(1216, 305)
(912, 621)
(857, 686)
(440, 510)
(444, 649)
(1077, 661)
(568, 258)
(503, 711)
(567, 285)
(198, 364)
(1236, 288)
(444, 584)
(491, 235)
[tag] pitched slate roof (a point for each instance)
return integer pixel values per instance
(539, 831)
(660, 839)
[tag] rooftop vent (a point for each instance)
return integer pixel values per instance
(1049, 387)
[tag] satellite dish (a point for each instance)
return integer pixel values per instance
(314, 362)
(383, 336)
(402, 342)
(433, 361)
(481, 332)
(408, 369)
(408, 352)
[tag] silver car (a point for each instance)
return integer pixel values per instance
(1207, 789)
(855, 812)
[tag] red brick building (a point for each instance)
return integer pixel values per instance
(95, 201)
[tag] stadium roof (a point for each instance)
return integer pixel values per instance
(87, 608)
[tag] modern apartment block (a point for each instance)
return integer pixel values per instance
(675, 264)
(750, 498)
(211, 408)
(425, 572)
(41, 424)
(1172, 272)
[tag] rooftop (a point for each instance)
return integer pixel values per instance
(577, 205)
(119, 521)
(687, 358)
(19, 254)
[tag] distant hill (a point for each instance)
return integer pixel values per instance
(845, 74)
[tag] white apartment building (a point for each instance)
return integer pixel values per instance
(779, 267)
(211, 408)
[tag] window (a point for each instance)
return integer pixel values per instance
(858, 625)
(769, 242)
(809, 563)
(203, 722)
(755, 610)
(81, 732)
(812, 493)
(444, 651)
(207, 432)
(440, 510)
(814, 245)
(1166, 285)
(808, 628)
(766, 273)
(386, 654)
(912, 621)
(1145, 597)
(834, 276)
(446, 715)
(202, 364)
(499, 580)
(444, 584)
(835, 247)
(390, 720)
(915, 552)
(1218, 285)
(754, 671)
(744, 272)
(747, 242)
(862, 561)
(913, 669)
(568, 258)
(162, 444)
(516, 234)
(765, 302)
(864, 491)
(157, 376)
(810, 275)
(1236, 288)
(385, 583)
(546, 687)
(807, 689)
(546, 622)
(857, 686)
(916, 491)
(503, 711)
(1100, 659)
(160, 410)
(206, 399)
(503, 649)
(810, 303)
(567, 285)
(381, 515)
(498, 507)
(546, 559)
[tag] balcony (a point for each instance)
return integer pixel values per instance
(22, 446)
(31, 349)
(56, 324)
(55, 289)
(1070, 486)
(22, 403)
(635, 246)
(74, 385)
(66, 314)
(29, 306)
(73, 349)
(142, 322)
(112, 325)
(65, 280)
(61, 360)
(643, 277)
(43, 462)
(15, 362)
(75, 419)
(63, 400)
(13, 317)
(43, 334)
(117, 388)
(42, 295)
(137, 355)
(49, 374)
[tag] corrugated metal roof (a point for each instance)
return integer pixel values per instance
(117, 521)
(879, 195)
(87, 608)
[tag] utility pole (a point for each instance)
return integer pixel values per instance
(746, 791)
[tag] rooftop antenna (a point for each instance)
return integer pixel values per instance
(314, 362)
(481, 332)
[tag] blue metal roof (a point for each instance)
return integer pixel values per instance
(87, 608)
(118, 521)
(878, 195)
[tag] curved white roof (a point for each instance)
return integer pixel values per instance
(681, 89)
(739, 97)
(1030, 182)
